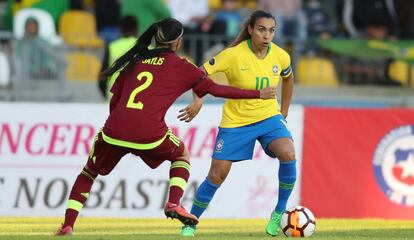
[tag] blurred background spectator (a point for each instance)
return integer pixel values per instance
(193, 14)
(230, 14)
(145, 11)
(291, 30)
(405, 18)
(128, 29)
(372, 20)
(55, 7)
(34, 53)
(107, 13)
(375, 19)
(318, 22)
(333, 43)
(198, 23)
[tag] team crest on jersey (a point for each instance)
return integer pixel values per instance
(394, 165)
(275, 69)
(212, 61)
(219, 145)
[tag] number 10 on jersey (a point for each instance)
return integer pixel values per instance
(262, 82)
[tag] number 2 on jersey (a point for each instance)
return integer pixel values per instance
(139, 105)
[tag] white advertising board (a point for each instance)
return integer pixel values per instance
(43, 147)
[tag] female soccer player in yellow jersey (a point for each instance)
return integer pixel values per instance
(251, 62)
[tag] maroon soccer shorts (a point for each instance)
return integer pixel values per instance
(106, 156)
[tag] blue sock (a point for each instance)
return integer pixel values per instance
(287, 178)
(203, 197)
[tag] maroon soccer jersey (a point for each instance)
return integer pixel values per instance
(143, 93)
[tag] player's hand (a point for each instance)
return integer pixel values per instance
(189, 112)
(268, 93)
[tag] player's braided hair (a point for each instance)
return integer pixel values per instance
(164, 32)
(251, 21)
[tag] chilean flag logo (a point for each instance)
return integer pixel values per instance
(403, 169)
(394, 165)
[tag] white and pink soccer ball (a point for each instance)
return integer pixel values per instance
(298, 222)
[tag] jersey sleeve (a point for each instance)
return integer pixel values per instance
(206, 85)
(191, 71)
(115, 92)
(285, 62)
(219, 63)
(201, 84)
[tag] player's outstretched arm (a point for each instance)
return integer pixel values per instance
(223, 91)
(189, 112)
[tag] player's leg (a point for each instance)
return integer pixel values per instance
(179, 174)
(219, 170)
(102, 159)
(78, 196)
(172, 148)
(284, 150)
(235, 144)
(277, 142)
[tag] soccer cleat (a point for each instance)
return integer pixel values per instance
(273, 226)
(64, 231)
(172, 211)
(188, 231)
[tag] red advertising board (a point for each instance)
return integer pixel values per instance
(358, 163)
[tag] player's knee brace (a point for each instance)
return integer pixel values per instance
(88, 173)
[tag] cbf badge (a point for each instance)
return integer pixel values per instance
(275, 69)
(394, 165)
(219, 145)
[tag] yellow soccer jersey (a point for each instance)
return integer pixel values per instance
(244, 70)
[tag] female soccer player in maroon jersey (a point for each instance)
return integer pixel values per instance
(148, 84)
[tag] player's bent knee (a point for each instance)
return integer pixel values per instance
(185, 156)
(104, 172)
(89, 173)
(216, 178)
(287, 156)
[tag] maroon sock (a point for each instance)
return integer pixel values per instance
(79, 193)
(179, 170)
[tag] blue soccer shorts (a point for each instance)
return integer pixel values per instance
(237, 144)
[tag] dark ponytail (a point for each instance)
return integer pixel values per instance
(164, 32)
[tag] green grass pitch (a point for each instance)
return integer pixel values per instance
(158, 229)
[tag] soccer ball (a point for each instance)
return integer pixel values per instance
(298, 222)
